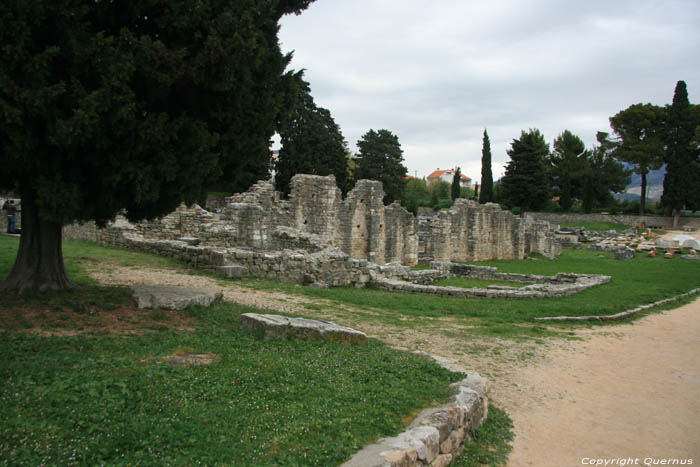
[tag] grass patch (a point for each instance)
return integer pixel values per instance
(635, 282)
(100, 398)
(77, 391)
(491, 444)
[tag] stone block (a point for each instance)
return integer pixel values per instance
(173, 298)
(442, 460)
(272, 327)
(625, 253)
(233, 271)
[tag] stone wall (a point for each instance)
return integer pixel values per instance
(316, 217)
(470, 231)
(649, 221)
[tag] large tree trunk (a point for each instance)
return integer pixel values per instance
(642, 201)
(39, 264)
(676, 219)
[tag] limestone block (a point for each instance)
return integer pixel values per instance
(625, 253)
(665, 243)
(442, 460)
(233, 271)
(173, 298)
(271, 327)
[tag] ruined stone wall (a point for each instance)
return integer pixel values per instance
(470, 231)
(316, 217)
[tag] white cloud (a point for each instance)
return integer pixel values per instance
(436, 73)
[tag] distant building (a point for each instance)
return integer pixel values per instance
(447, 176)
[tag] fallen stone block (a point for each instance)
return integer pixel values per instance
(173, 298)
(272, 327)
(664, 243)
(625, 253)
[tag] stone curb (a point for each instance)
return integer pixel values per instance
(437, 436)
(621, 315)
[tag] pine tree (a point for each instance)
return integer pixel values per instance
(526, 181)
(486, 195)
(456, 184)
(311, 142)
(639, 132)
(134, 105)
(381, 158)
(682, 179)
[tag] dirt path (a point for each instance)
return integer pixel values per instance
(627, 391)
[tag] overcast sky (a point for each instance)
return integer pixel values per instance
(437, 72)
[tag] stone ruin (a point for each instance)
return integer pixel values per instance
(317, 237)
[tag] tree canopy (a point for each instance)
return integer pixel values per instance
(568, 162)
(134, 105)
(682, 177)
(486, 194)
(603, 174)
(311, 141)
(639, 131)
(526, 181)
(380, 158)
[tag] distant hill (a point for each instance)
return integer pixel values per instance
(655, 185)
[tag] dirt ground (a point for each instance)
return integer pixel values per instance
(629, 391)
(632, 391)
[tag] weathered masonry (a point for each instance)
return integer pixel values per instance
(318, 224)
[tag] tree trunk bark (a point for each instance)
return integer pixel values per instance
(39, 263)
(676, 218)
(644, 194)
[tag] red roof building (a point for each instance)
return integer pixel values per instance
(447, 176)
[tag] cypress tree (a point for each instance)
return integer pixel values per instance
(456, 184)
(486, 195)
(131, 105)
(681, 181)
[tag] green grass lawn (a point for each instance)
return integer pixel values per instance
(635, 282)
(100, 398)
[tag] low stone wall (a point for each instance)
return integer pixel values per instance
(649, 221)
(562, 284)
(437, 436)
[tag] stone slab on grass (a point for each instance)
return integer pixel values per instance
(271, 327)
(173, 298)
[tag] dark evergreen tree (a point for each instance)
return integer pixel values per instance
(639, 130)
(456, 184)
(682, 179)
(476, 191)
(568, 162)
(486, 195)
(311, 142)
(134, 105)
(526, 181)
(380, 158)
